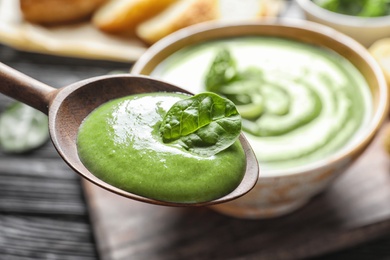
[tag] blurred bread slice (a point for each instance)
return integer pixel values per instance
(270, 8)
(118, 16)
(50, 12)
(239, 10)
(179, 15)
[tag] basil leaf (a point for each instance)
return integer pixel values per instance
(241, 87)
(22, 128)
(223, 76)
(204, 124)
(222, 71)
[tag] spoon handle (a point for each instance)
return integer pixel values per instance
(25, 89)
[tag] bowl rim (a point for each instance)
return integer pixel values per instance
(362, 140)
(342, 19)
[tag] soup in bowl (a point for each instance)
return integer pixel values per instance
(311, 99)
(357, 19)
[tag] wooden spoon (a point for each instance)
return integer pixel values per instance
(68, 106)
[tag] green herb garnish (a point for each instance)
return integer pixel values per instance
(204, 124)
(362, 8)
(22, 128)
(223, 70)
(244, 88)
(258, 98)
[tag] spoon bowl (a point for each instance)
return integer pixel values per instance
(68, 106)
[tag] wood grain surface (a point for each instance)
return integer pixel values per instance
(43, 213)
(355, 209)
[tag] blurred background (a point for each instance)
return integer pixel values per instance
(48, 212)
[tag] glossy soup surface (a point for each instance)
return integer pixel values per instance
(119, 142)
(309, 102)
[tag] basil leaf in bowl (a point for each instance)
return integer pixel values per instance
(22, 128)
(205, 124)
(222, 71)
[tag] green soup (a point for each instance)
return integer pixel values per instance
(361, 8)
(119, 142)
(311, 102)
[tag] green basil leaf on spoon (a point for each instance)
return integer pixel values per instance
(204, 124)
(22, 128)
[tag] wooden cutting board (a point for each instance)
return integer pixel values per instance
(355, 209)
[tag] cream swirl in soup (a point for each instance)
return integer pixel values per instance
(299, 103)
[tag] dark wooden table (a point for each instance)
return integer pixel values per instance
(43, 213)
(43, 209)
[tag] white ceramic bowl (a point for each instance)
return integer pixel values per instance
(366, 30)
(285, 190)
